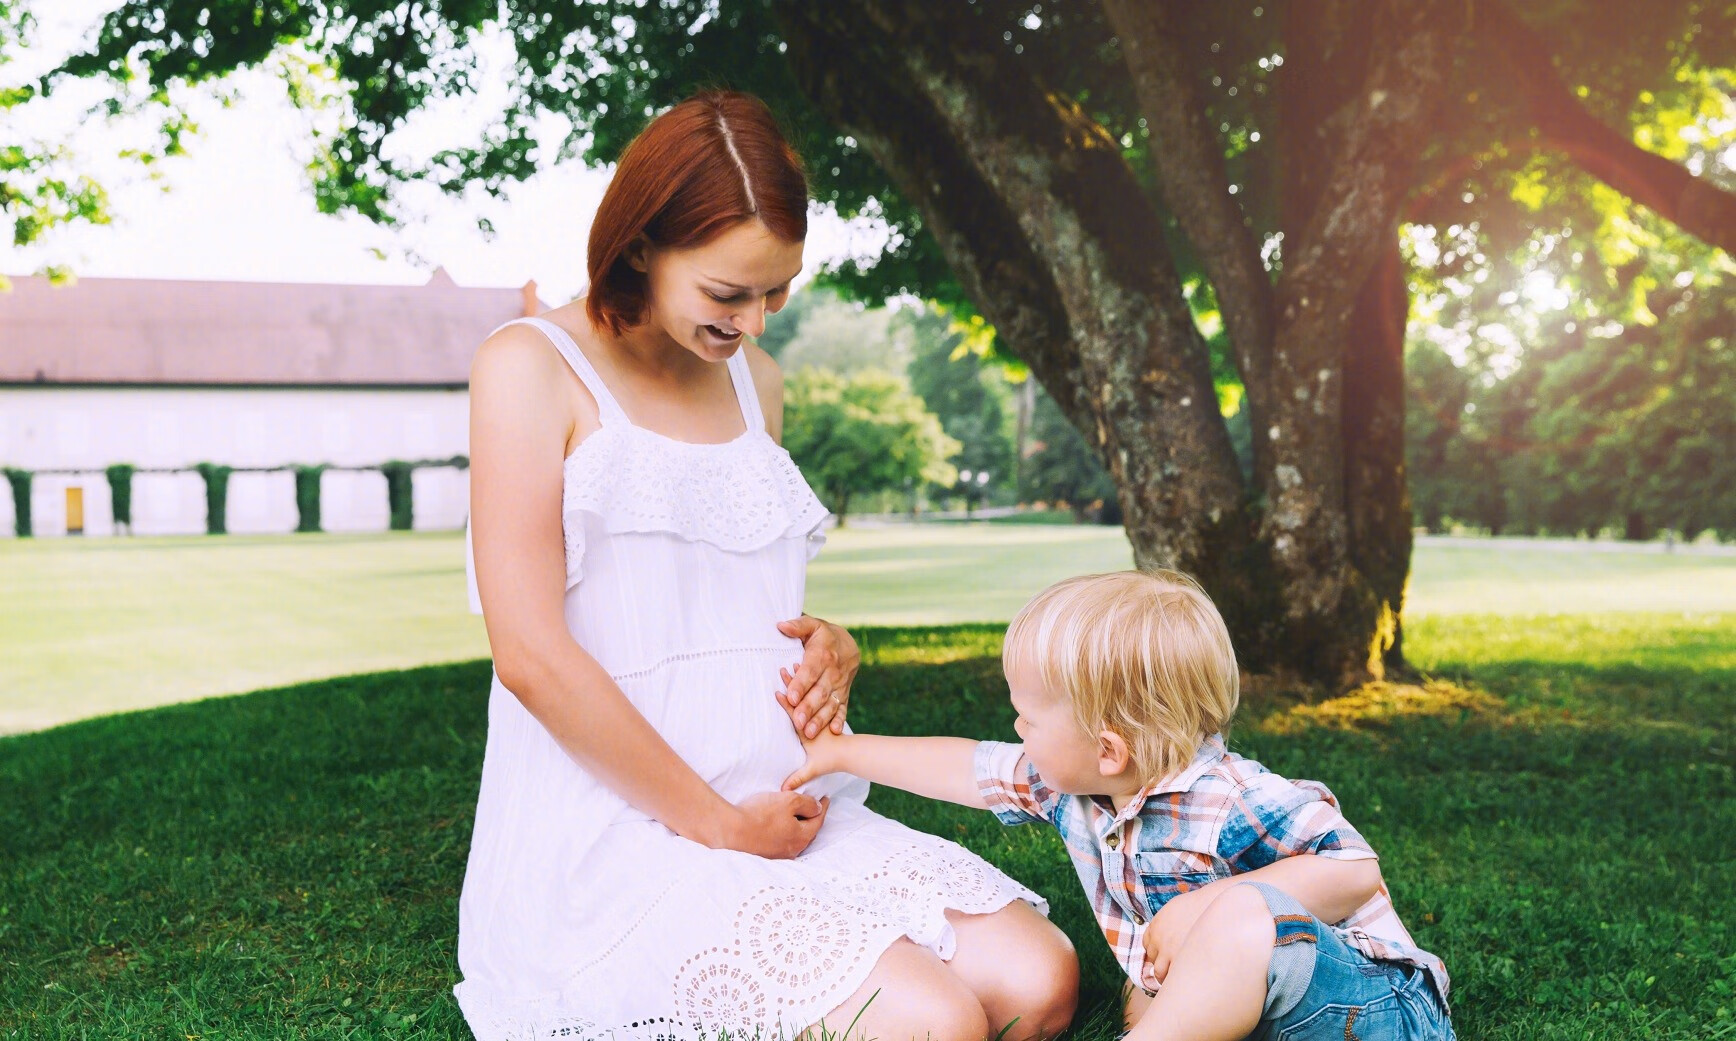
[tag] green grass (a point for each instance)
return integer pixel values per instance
(1553, 811)
(90, 626)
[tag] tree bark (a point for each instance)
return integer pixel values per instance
(1189, 158)
(1376, 493)
(1357, 114)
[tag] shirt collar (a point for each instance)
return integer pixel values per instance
(1211, 752)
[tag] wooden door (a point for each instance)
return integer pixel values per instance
(75, 511)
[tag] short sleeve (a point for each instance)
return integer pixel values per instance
(1010, 785)
(1270, 818)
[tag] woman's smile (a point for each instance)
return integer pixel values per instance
(719, 338)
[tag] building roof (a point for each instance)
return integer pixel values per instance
(160, 331)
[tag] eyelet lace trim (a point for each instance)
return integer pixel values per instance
(794, 953)
(738, 495)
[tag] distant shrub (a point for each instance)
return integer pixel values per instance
(120, 479)
(216, 497)
(20, 482)
(307, 482)
(399, 489)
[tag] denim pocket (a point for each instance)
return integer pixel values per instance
(1375, 1021)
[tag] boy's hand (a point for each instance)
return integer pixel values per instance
(825, 754)
(1169, 929)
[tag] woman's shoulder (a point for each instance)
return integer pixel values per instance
(518, 369)
(513, 350)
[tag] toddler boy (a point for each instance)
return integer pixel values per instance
(1240, 904)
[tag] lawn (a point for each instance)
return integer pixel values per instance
(1553, 811)
(1553, 804)
(101, 625)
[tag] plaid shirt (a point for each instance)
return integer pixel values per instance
(1222, 816)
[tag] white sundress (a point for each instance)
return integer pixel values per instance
(582, 917)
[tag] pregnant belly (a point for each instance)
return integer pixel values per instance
(720, 714)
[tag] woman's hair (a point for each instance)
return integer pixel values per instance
(1144, 654)
(710, 162)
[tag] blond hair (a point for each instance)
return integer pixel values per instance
(1144, 654)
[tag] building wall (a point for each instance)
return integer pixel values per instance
(88, 429)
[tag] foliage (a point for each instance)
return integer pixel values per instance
(1063, 468)
(838, 335)
(399, 493)
(216, 496)
(20, 482)
(968, 393)
(1574, 371)
(860, 434)
(120, 479)
(307, 488)
(211, 875)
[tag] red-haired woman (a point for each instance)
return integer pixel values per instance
(640, 550)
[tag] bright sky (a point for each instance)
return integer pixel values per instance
(238, 206)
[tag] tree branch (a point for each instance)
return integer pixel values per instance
(1189, 158)
(1691, 203)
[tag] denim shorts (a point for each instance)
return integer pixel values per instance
(1318, 988)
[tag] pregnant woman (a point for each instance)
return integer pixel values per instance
(639, 534)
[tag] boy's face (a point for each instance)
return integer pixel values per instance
(1069, 759)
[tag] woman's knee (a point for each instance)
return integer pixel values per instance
(1022, 968)
(1045, 981)
(911, 994)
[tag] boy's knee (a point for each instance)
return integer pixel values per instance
(1241, 916)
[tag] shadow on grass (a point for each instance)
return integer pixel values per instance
(287, 863)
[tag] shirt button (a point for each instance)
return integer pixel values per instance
(1112, 841)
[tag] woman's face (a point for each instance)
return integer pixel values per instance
(706, 298)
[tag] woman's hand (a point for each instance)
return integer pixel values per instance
(775, 825)
(817, 693)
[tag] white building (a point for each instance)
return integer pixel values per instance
(168, 374)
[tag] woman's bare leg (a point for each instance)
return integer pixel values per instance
(1021, 968)
(910, 996)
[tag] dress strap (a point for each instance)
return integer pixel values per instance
(608, 409)
(742, 377)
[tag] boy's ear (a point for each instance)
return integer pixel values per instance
(1113, 755)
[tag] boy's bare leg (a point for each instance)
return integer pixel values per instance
(1134, 1002)
(1216, 987)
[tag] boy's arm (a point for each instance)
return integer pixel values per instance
(1331, 889)
(933, 767)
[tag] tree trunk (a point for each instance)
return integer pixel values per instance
(1051, 234)
(1375, 490)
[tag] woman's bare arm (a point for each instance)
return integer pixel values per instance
(521, 420)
